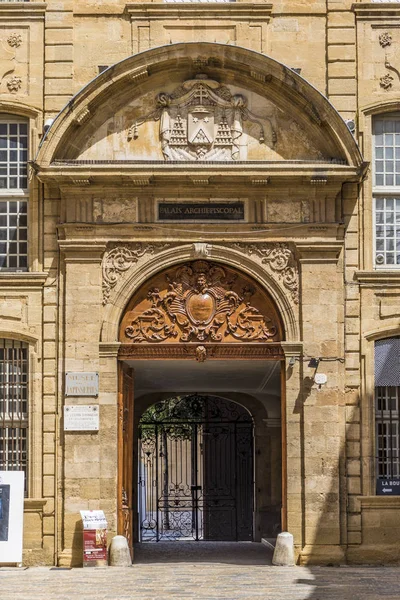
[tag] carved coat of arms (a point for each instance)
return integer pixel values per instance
(201, 120)
(200, 304)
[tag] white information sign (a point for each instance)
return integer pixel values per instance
(81, 384)
(81, 418)
(11, 516)
(93, 519)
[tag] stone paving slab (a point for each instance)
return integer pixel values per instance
(203, 581)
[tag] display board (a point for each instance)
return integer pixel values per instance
(11, 516)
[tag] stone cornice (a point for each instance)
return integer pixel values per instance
(319, 252)
(378, 278)
(75, 251)
(182, 172)
(22, 11)
(379, 502)
(170, 10)
(9, 279)
(34, 504)
(376, 10)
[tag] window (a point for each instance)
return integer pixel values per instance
(387, 416)
(386, 190)
(13, 193)
(13, 406)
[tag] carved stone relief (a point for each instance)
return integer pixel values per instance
(13, 61)
(202, 120)
(280, 260)
(119, 259)
(114, 210)
(200, 302)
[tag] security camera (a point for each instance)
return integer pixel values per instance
(48, 123)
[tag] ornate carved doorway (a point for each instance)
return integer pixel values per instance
(196, 470)
(207, 314)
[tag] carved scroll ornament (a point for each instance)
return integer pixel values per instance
(281, 262)
(119, 259)
(203, 302)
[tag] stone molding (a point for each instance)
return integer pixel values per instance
(378, 278)
(22, 11)
(231, 11)
(22, 280)
(379, 502)
(373, 10)
(35, 505)
(109, 349)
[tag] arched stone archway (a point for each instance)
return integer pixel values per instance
(180, 325)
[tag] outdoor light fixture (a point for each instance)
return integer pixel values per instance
(292, 361)
(314, 362)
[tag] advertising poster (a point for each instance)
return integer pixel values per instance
(11, 516)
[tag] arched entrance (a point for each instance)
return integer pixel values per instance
(195, 470)
(201, 343)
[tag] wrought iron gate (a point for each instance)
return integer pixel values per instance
(196, 470)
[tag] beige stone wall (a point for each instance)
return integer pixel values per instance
(55, 50)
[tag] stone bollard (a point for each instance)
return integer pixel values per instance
(119, 552)
(284, 551)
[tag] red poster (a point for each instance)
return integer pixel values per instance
(94, 547)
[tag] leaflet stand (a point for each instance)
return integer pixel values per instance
(94, 538)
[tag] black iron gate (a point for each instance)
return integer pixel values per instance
(196, 470)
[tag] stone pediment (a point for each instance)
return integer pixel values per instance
(198, 102)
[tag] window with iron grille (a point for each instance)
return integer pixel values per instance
(387, 416)
(386, 190)
(14, 406)
(13, 193)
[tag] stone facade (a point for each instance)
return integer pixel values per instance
(156, 104)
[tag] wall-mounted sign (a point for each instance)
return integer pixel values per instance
(11, 516)
(388, 487)
(81, 418)
(81, 384)
(201, 211)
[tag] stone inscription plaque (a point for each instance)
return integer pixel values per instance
(81, 384)
(81, 418)
(201, 211)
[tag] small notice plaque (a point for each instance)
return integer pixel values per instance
(81, 418)
(201, 211)
(388, 487)
(81, 384)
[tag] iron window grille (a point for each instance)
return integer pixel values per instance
(14, 406)
(387, 431)
(386, 190)
(13, 193)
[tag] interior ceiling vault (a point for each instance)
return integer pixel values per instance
(184, 376)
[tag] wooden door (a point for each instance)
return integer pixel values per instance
(125, 454)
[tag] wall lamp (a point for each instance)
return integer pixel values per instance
(292, 361)
(313, 364)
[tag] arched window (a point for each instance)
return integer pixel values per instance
(13, 193)
(387, 416)
(14, 406)
(386, 190)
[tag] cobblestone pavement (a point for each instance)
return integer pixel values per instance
(234, 574)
